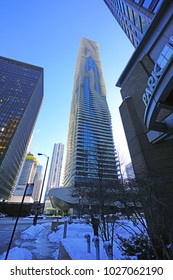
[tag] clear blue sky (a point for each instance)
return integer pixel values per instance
(47, 33)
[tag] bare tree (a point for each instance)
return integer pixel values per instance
(101, 193)
(147, 201)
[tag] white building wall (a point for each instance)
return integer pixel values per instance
(55, 167)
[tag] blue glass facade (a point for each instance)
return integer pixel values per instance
(134, 16)
(90, 148)
(91, 65)
(21, 92)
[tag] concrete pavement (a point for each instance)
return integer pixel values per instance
(41, 248)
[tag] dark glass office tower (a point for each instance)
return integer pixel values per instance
(90, 146)
(21, 93)
(134, 16)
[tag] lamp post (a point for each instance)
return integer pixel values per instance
(15, 225)
(80, 206)
(39, 202)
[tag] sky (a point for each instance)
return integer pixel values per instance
(47, 33)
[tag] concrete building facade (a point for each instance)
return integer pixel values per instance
(146, 88)
(147, 115)
(37, 183)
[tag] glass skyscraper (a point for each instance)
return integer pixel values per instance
(21, 93)
(134, 16)
(91, 153)
(55, 167)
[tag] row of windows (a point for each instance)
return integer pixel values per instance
(148, 4)
(134, 22)
(165, 56)
(15, 80)
(95, 123)
(93, 163)
(18, 67)
(95, 132)
(93, 145)
(16, 89)
(109, 152)
(130, 14)
(16, 85)
(95, 175)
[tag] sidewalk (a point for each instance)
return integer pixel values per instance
(33, 243)
(41, 248)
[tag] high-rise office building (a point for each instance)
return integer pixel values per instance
(29, 169)
(55, 167)
(90, 146)
(27, 174)
(134, 16)
(129, 171)
(147, 115)
(21, 93)
(54, 174)
(31, 174)
(37, 183)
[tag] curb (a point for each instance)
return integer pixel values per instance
(63, 254)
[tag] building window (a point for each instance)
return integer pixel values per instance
(126, 11)
(137, 20)
(122, 7)
(165, 56)
(144, 24)
(135, 43)
(147, 3)
(131, 17)
(157, 6)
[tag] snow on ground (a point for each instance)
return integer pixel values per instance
(17, 253)
(75, 242)
(32, 232)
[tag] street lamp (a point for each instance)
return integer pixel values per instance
(80, 206)
(39, 202)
